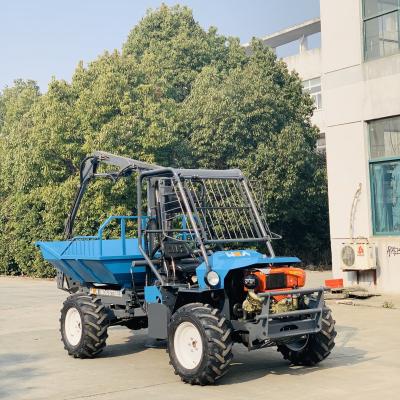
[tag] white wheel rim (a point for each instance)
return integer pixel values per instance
(188, 345)
(73, 326)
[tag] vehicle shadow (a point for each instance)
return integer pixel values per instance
(247, 366)
(134, 343)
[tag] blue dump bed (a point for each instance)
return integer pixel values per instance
(93, 259)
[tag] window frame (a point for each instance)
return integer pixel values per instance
(371, 163)
(379, 13)
(377, 16)
(318, 104)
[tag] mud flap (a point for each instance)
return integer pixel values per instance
(159, 316)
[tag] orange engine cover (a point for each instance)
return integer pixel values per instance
(276, 278)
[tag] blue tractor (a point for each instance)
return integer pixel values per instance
(186, 268)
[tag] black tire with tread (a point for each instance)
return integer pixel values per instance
(95, 323)
(217, 343)
(318, 347)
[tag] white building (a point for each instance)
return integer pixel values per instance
(355, 78)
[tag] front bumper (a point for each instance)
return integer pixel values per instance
(268, 328)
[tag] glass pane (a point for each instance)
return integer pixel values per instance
(384, 137)
(390, 34)
(315, 82)
(321, 141)
(371, 39)
(319, 101)
(315, 89)
(386, 196)
(376, 7)
(381, 36)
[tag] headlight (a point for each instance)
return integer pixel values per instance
(212, 278)
(251, 281)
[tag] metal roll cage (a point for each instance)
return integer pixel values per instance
(127, 166)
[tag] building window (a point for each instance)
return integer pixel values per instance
(321, 143)
(313, 86)
(381, 28)
(384, 140)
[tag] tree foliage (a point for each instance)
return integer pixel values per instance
(175, 95)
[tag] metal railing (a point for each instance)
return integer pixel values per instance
(90, 246)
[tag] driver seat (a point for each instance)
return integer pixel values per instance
(181, 253)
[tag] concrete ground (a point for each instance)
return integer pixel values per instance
(365, 363)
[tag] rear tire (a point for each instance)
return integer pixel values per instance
(84, 322)
(314, 348)
(199, 344)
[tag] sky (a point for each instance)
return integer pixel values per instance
(44, 38)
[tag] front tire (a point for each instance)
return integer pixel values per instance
(311, 349)
(199, 344)
(84, 323)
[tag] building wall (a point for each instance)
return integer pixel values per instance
(355, 92)
(340, 34)
(308, 64)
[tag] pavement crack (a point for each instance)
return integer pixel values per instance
(92, 395)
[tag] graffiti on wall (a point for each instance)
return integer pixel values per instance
(393, 251)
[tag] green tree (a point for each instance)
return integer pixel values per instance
(175, 95)
(257, 117)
